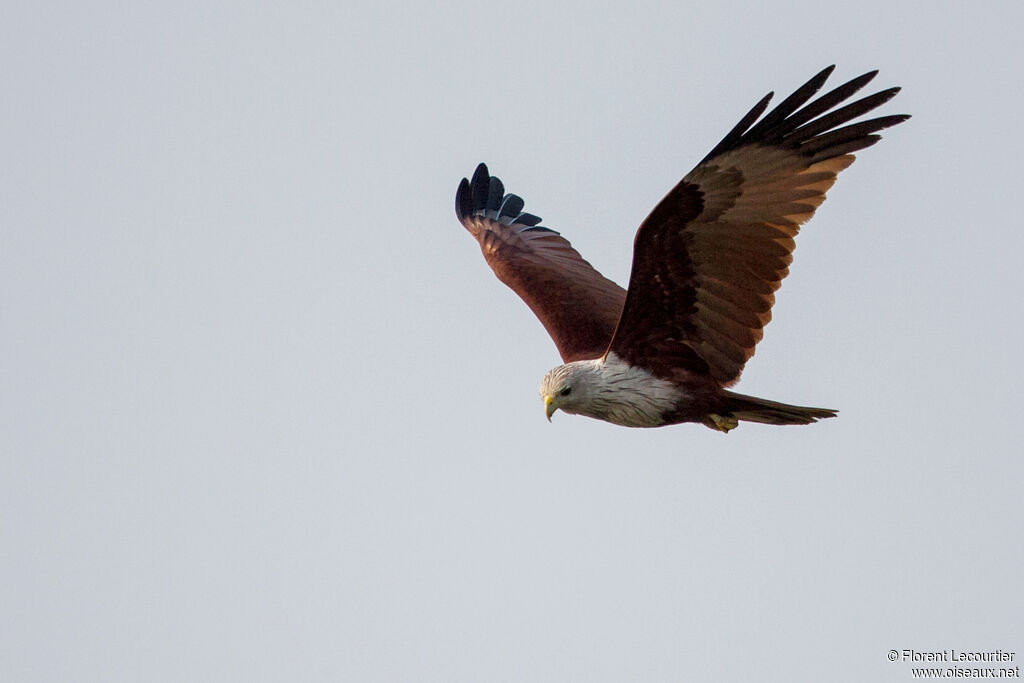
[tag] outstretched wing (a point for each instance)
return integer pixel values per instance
(578, 306)
(708, 259)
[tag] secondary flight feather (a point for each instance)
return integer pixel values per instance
(706, 264)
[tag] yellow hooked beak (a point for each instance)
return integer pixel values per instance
(549, 406)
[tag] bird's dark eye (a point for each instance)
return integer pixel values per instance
(565, 392)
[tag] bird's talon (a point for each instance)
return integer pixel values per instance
(721, 423)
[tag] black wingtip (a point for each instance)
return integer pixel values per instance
(511, 206)
(495, 193)
(734, 136)
(463, 200)
(814, 126)
(485, 195)
(481, 185)
(784, 109)
(472, 194)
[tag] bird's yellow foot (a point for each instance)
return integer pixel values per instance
(721, 423)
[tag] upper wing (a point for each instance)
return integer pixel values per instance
(708, 259)
(578, 306)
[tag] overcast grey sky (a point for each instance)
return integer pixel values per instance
(266, 415)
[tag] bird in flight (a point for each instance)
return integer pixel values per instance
(706, 264)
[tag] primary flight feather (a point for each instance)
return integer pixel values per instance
(706, 264)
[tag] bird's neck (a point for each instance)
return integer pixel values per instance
(630, 396)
